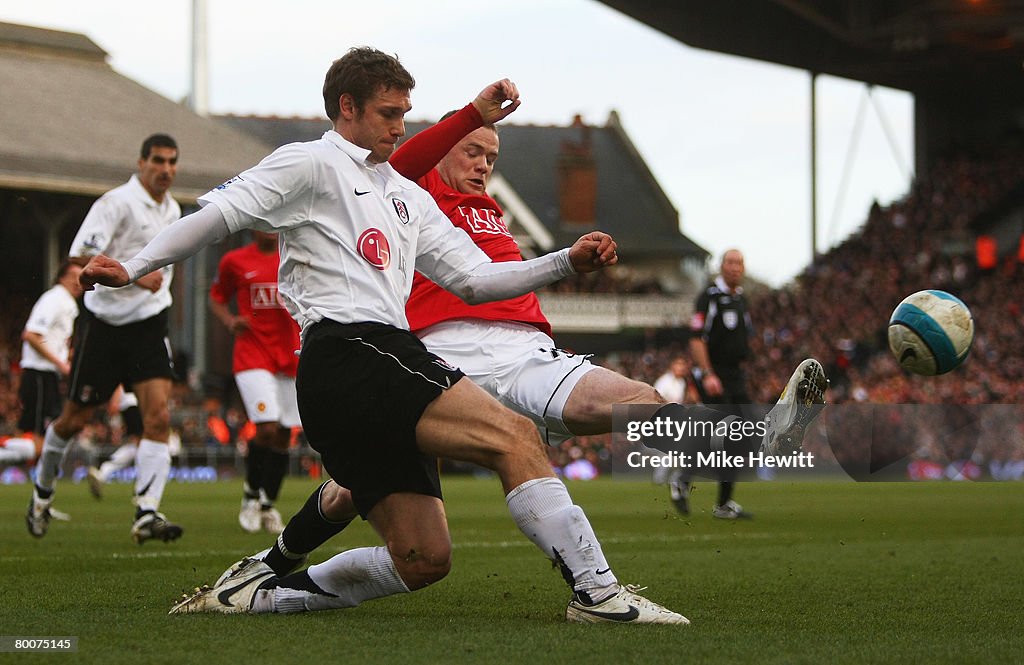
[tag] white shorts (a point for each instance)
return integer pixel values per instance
(268, 398)
(517, 364)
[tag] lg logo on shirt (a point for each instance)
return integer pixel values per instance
(374, 247)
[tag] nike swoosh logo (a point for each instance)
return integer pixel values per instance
(358, 193)
(225, 596)
(145, 489)
(251, 274)
(602, 572)
(628, 615)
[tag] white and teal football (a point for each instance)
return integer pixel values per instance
(931, 332)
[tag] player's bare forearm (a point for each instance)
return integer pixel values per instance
(594, 251)
(103, 270)
(236, 324)
(151, 281)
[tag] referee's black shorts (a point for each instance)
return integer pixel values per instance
(106, 355)
(39, 394)
(361, 390)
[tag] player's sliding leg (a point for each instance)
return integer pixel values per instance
(538, 502)
(326, 513)
(495, 438)
(418, 553)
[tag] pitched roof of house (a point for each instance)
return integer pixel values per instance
(70, 123)
(630, 203)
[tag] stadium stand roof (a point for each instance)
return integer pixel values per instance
(962, 59)
(630, 204)
(913, 45)
(71, 124)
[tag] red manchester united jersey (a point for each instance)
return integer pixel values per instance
(480, 216)
(250, 276)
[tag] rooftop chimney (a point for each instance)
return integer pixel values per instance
(577, 179)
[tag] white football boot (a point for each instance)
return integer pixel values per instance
(801, 401)
(235, 595)
(624, 606)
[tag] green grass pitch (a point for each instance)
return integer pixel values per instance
(825, 573)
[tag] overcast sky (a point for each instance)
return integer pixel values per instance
(727, 138)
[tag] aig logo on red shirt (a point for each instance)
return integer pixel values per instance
(264, 296)
(374, 247)
(482, 220)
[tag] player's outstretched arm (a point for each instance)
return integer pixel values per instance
(594, 251)
(178, 241)
(451, 259)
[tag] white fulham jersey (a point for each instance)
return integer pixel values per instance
(53, 316)
(119, 224)
(353, 232)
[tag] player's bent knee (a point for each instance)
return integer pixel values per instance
(520, 438)
(421, 567)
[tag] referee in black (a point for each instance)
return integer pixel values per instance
(719, 344)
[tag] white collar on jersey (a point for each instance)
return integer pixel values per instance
(360, 155)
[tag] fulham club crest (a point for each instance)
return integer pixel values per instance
(374, 247)
(401, 209)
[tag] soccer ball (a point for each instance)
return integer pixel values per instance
(931, 332)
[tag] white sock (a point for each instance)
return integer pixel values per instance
(152, 466)
(17, 450)
(48, 466)
(544, 512)
(122, 458)
(347, 579)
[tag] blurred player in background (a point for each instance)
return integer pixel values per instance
(264, 364)
(45, 351)
(123, 340)
(676, 384)
(127, 407)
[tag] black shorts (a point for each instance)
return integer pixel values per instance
(361, 390)
(107, 355)
(40, 400)
(132, 419)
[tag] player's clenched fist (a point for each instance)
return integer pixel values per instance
(103, 270)
(592, 252)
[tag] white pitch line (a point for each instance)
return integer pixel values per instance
(479, 544)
